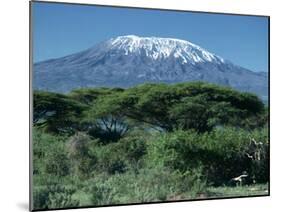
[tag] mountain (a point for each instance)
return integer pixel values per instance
(126, 61)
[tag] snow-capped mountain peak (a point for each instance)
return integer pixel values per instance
(159, 48)
(130, 60)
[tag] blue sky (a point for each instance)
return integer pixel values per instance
(62, 29)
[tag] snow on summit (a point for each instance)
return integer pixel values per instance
(158, 48)
(130, 60)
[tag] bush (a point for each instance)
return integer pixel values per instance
(53, 196)
(222, 153)
(57, 162)
(49, 154)
(52, 191)
(109, 158)
(231, 148)
(83, 162)
(158, 184)
(134, 147)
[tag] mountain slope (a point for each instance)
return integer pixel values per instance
(129, 60)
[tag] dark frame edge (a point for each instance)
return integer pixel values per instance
(269, 97)
(30, 107)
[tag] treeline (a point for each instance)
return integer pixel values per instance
(111, 113)
(152, 142)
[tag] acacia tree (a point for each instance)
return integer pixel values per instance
(199, 106)
(56, 113)
(90, 95)
(106, 118)
(111, 113)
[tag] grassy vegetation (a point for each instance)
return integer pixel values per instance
(149, 143)
(246, 190)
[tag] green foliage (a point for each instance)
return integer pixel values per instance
(110, 159)
(148, 185)
(57, 162)
(223, 153)
(226, 191)
(118, 157)
(133, 146)
(110, 113)
(49, 154)
(260, 120)
(152, 142)
(53, 197)
(56, 113)
(108, 129)
(82, 161)
(89, 95)
(198, 106)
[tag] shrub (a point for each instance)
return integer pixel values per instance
(49, 154)
(83, 162)
(109, 158)
(178, 150)
(230, 158)
(134, 147)
(118, 157)
(53, 196)
(222, 153)
(56, 161)
(158, 184)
